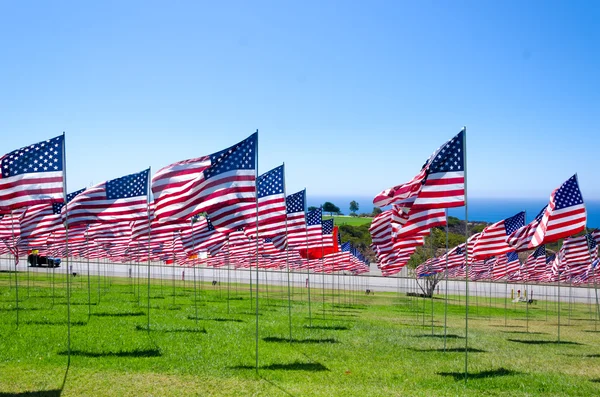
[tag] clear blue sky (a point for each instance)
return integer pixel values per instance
(353, 96)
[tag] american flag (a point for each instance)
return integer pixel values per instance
(314, 232)
(506, 265)
(42, 219)
(493, 239)
(296, 222)
(537, 259)
(520, 239)
(327, 229)
(564, 216)
(444, 184)
(32, 175)
(222, 184)
(202, 236)
(404, 194)
(421, 221)
(271, 205)
(123, 199)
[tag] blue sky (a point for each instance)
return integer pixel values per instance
(353, 96)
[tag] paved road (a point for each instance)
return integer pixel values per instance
(401, 283)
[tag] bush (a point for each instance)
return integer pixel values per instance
(353, 214)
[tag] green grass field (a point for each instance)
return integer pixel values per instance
(382, 345)
(349, 220)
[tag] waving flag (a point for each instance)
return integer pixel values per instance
(564, 216)
(123, 199)
(536, 260)
(296, 221)
(40, 220)
(222, 184)
(520, 239)
(420, 221)
(506, 265)
(493, 239)
(402, 194)
(444, 184)
(271, 205)
(32, 175)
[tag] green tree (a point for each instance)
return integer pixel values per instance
(353, 206)
(331, 208)
(312, 208)
(376, 211)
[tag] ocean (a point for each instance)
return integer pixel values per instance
(480, 209)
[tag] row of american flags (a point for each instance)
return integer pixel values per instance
(213, 210)
(421, 204)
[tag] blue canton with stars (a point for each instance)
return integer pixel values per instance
(128, 186)
(346, 246)
(238, 157)
(550, 258)
(540, 251)
(512, 256)
(44, 156)
(295, 202)
(314, 217)
(56, 207)
(514, 223)
(327, 226)
(450, 157)
(591, 242)
(270, 183)
(568, 194)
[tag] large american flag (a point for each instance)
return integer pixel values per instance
(314, 232)
(564, 216)
(32, 175)
(222, 184)
(271, 205)
(444, 184)
(404, 194)
(493, 239)
(123, 199)
(421, 221)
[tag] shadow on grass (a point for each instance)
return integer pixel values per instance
(480, 375)
(302, 341)
(40, 393)
(295, 366)
(507, 326)
(335, 314)
(43, 322)
(450, 350)
(330, 319)
(218, 319)
(449, 336)
(583, 355)
(596, 380)
(328, 327)
(12, 309)
(83, 304)
(132, 314)
(592, 331)
(544, 342)
(170, 330)
(524, 332)
(121, 353)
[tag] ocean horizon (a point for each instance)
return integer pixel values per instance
(480, 209)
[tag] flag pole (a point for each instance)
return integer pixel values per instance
(446, 300)
(87, 248)
(16, 255)
(66, 224)
(307, 267)
(466, 259)
(287, 256)
(256, 199)
(149, 239)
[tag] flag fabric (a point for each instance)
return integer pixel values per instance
(444, 184)
(271, 205)
(314, 230)
(520, 239)
(493, 239)
(506, 265)
(563, 217)
(404, 194)
(124, 199)
(535, 260)
(420, 221)
(221, 184)
(32, 175)
(40, 220)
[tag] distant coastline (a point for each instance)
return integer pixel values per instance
(480, 209)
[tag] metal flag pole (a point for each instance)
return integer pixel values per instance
(66, 224)
(195, 265)
(466, 258)
(16, 255)
(256, 199)
(287, 257)
(446, 276)
(148, 248)
(87, 248)
(307, 267)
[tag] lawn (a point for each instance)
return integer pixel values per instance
(349, 220)
(357, 345)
